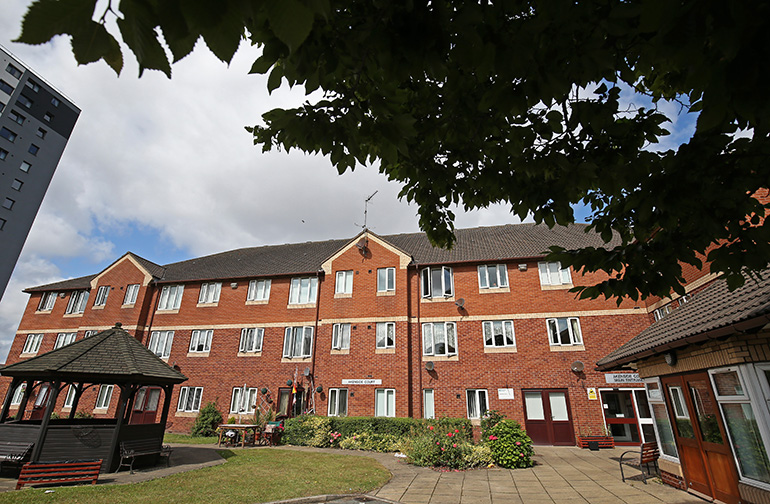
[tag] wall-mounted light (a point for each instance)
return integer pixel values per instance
(670, 358)
(523, 267)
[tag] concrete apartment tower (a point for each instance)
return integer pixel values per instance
(36, 121)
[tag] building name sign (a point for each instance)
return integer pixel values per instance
(622, 378)
(505, 393)
(369, 381)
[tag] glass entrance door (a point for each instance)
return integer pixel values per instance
(620, 416)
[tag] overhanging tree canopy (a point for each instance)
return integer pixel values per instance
(523, 102)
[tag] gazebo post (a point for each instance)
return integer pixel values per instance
(76, 399)
(8, 398)
(167, 389)
(125, 391)
(55, 386)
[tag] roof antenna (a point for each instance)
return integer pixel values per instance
(366, 209)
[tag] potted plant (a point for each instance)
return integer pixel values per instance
(595, 441)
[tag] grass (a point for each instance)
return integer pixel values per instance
(188, 439)
(248, 476)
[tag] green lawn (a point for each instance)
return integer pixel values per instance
(248, 476)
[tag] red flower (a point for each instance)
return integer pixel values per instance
(457, 431)
(450, 434)
(492, 437)
(518, 443)
(454, 445)
(430, 427)
(442, 449)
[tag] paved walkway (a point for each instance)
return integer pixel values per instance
(563, 475)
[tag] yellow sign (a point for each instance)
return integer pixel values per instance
(592, 394)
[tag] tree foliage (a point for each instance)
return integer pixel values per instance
(522, 102)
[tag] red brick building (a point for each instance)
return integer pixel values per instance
(374, 325)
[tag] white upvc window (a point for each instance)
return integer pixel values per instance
(439, 339)
(200, 340)
(662, 311)
(47, 301)
(385, 402)
(551, 273)
(77, 302)
(259, 290)
(429, 402)
(663, 429)
(303, 290)
(32, 345)
(64, 339)
(42, 395)
(244, 400)
(341, 337)
(18, 394)
(437, 282)
(477, 403)
(104, 397)
(69, 400)
(298, 342)
(210, 292)
(386, 335)
(498, 333)
(492, 276)
(190, 399)
(170, 297)
(564, 331)
(160, 343)
(344, 283)
(251, 339)
(101, 295)
(131, 293)
(386, 279)
(89, 333)
(338, 402)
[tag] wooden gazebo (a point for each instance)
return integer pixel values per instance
(111, 357)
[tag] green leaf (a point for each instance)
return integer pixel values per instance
(92, 43)
(274, 81)
(262, 65)
(138, 30)
(47, 18)
(291, 22)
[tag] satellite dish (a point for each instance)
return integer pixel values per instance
(460, 302)
(307, 371)
(577, 366)
(429, 365)
(362, 246)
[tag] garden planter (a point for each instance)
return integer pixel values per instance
(597, 441)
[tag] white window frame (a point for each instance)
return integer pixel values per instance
(64, 339)
(171, 297)
(334, 407)
(190, 399)
(554, 339)
(298, 342)
(659, 398)
(344, 283)
(437, 282)
(32, 344)
(209, 293)
(259, 290)
(477, 393)
(132, 291)
(341, 337)
(390, 402)
(429, 347)
(236, 401)
(47, 301)
(69, 399)
(89, 333)
(101, 295)
(303, 290)
(551, 273)
(429, 405)
(507, 327)
(386, 279)
(661, 312)
(200, 340)
(18, 394)
(383, 327)
(160, 343)
(256, 335)
(104, 397)
(77, 302)
(493, 276)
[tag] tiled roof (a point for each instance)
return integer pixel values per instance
(111, 356)
(711, 313)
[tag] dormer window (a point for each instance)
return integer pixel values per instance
(77, 303)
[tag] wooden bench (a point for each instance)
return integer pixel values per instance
(14, 452)
(137, 448)
(65, 471)
(648, 453)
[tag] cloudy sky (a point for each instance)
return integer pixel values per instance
(165, 169)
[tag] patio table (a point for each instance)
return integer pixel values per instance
(237, 429)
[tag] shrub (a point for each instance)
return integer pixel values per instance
(479, 455)
(372, 442)
(489, 419)
(80, 414)
(207, 421)
(440, 448)
(510, 445)
(231, 420)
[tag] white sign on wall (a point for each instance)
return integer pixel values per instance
(370, 381)
(622, 378)
(505, 393)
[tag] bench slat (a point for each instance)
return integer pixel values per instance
(59, 472)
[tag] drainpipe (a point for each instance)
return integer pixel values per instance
(319, 274)
(419, 347)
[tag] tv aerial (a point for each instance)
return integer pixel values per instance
(366, 209)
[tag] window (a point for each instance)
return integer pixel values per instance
(437, 282)
(5, 87)
(498, 333)
(259, 290)
(385, 402)
(13, 71)
(42, 395)
(16, 184)
(662, 312)
(7, 134)
(3, 154)
(170, 297)
(338, 402)
(160, 343)
(77, 303)
(48, 117)
(25, 167)
(16, 117)
(32, 345)
(386, 279)
(18, 394)
(684, 299)
(32, 85)
(69, 400)
(298, 342)
(200, 341)
(551, 273)
(429, 410)
(341, 337)
(251, 339)
(103, 399)
(55, 102)
(243, 401)
(8, 203)
(33, 149)
(210, 292)
(24, 101)
(64, 339)
(477, 402)
(386, 335)
(41, 132)
(101, 295)
(47, 301)
(492, 276)
(564, 331)
(303, 290)
(190, 399)
(90, 333)
(438, 338)
(344, 282)
(131, 292)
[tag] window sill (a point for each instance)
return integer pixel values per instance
(556, 287)
(343, 295)
(127, 306)
(98, 307)
(27, 354)
(197, 354)
(257, 302)
(169, 311)
(440, 358)
(438, 300)
(100, 411)
(43, 312)
(300, 305)
(494, 290)
(567, 348)
(295, 359)
(340, 351)
(386, 293)
(186, 414)
(503, 349)
(384, 351)
(250, 354)
(207, 305)
(73, 315)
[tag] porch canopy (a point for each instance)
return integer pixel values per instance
(111, 357)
